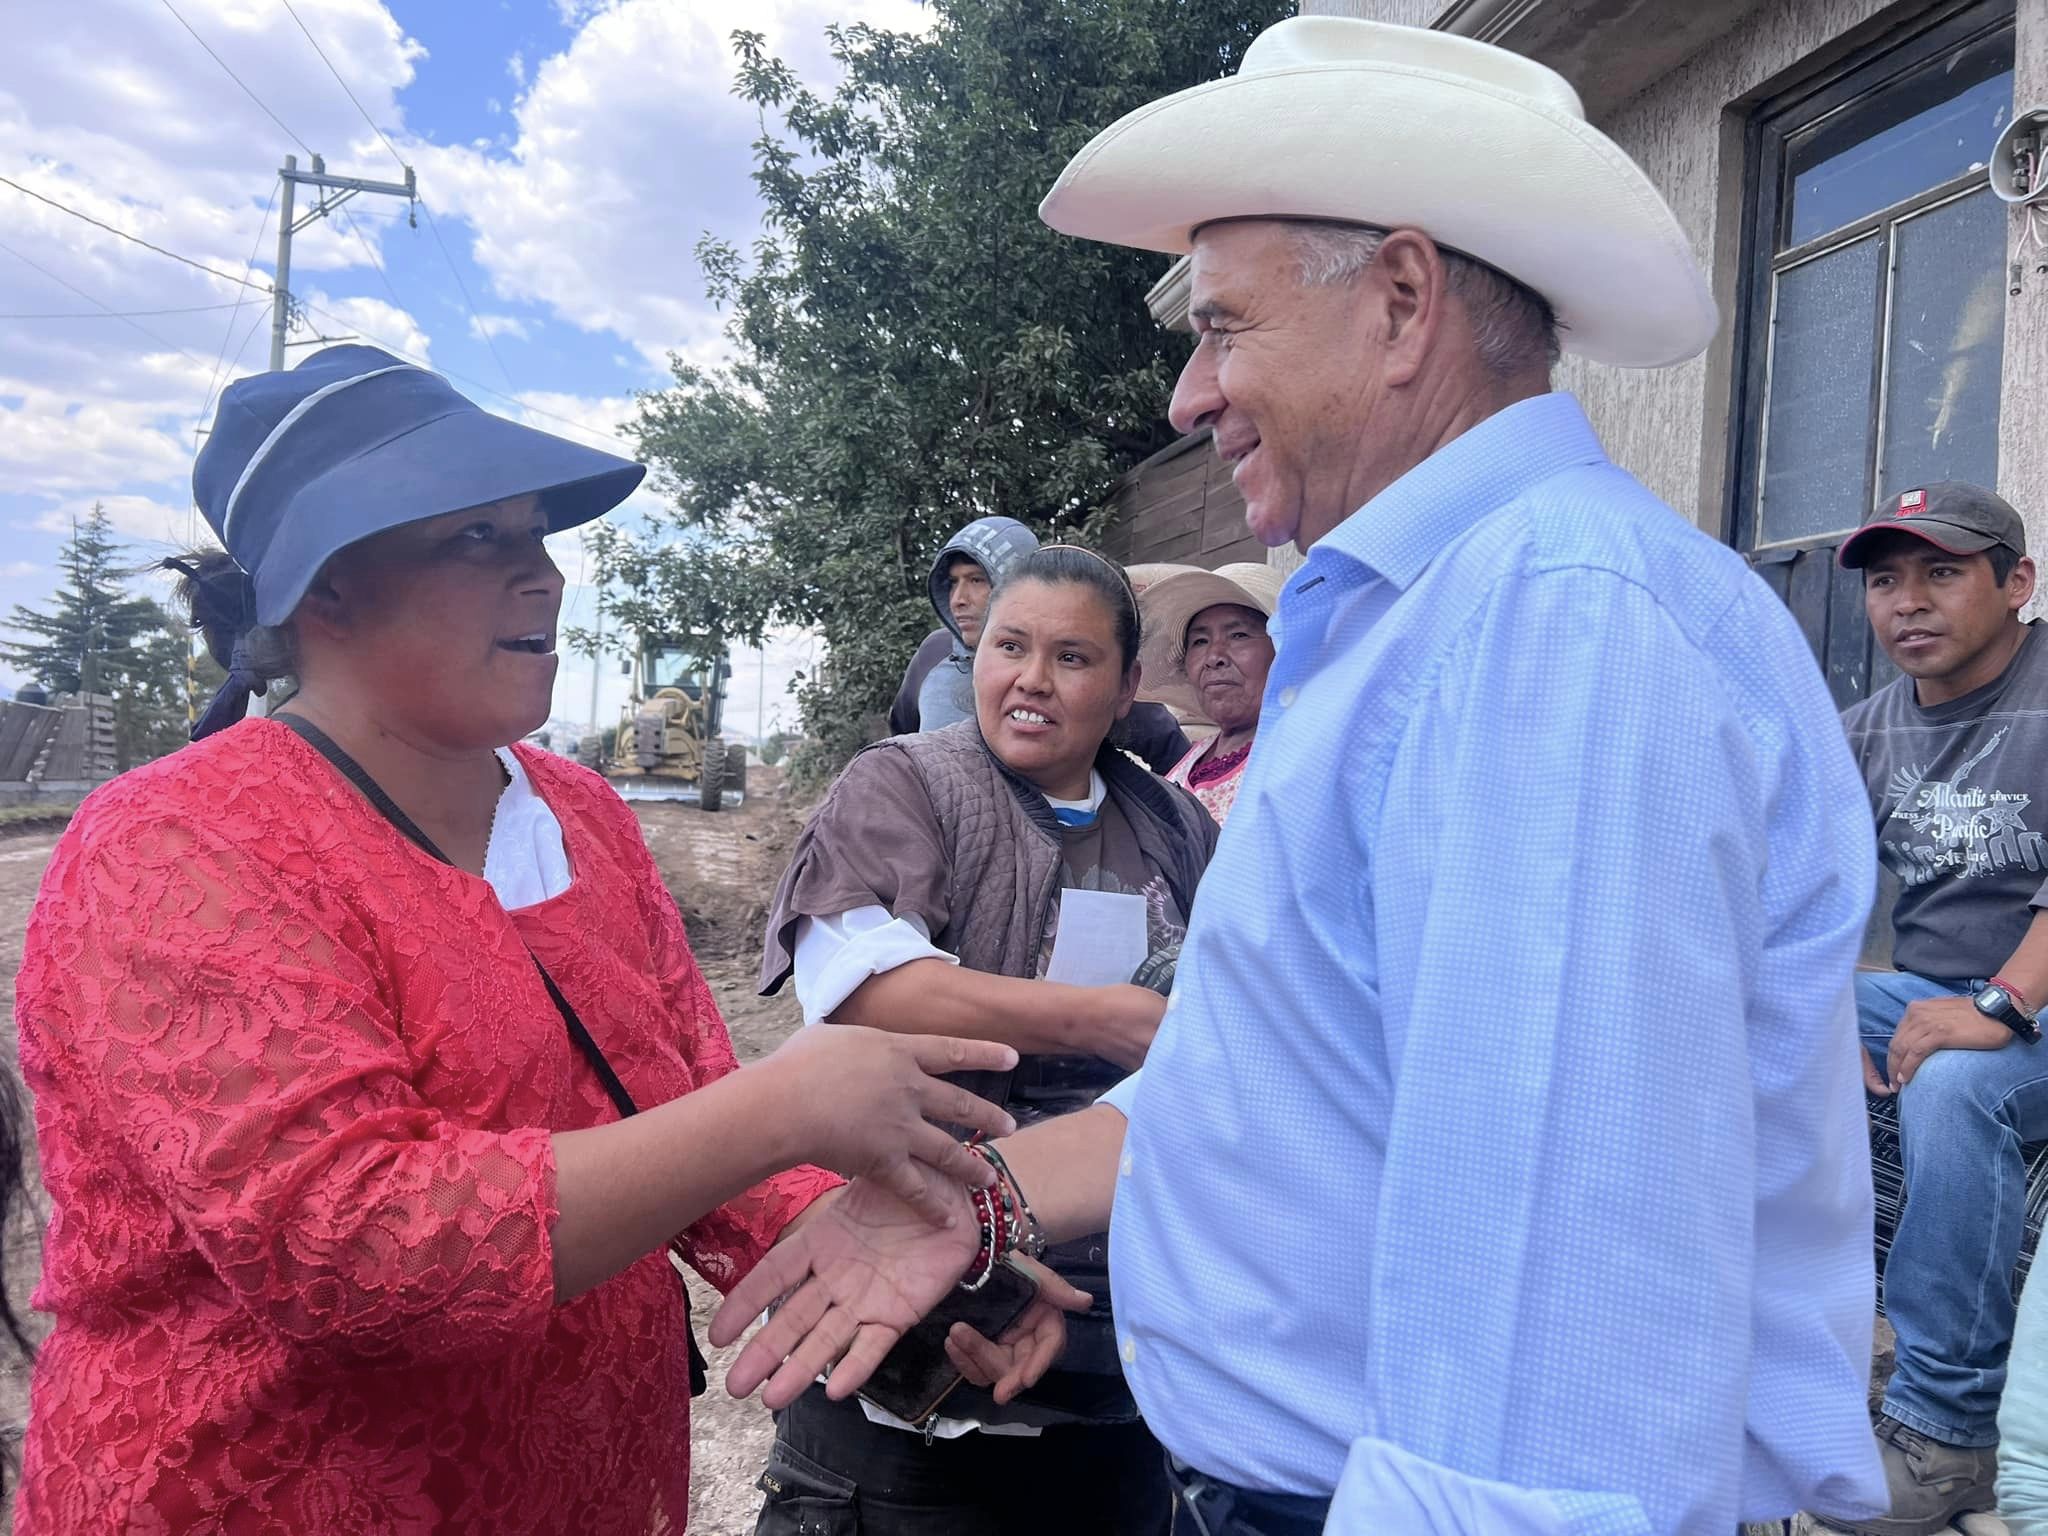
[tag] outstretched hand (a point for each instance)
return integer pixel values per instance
(872, 1105)
(857, 1275)
(1028, 1346)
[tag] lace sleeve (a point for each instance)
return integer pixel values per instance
(214, 1016)
(727, 1241)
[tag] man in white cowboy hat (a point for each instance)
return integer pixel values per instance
(1500, 1166)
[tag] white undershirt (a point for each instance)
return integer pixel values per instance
(525, 861)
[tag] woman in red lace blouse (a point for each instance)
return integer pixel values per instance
(346, 1234)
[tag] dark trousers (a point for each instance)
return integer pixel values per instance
(832, 1473)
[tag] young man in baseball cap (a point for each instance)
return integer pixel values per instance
(1955, 757)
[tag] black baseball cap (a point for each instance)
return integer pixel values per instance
(1949, 514)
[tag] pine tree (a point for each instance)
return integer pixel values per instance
(102, 638)
(83, 646)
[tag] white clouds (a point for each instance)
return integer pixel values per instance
(141, 519)
(490, 327)
(622, 149)
(372, 321)
(630, 145)
(114, 109)
(112, 426)
(598, 418)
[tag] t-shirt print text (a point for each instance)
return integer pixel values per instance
(1958, 828)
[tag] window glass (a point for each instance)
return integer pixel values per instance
(1947, 346)
(1935, 125)
(1818, 422)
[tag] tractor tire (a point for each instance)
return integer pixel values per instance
(736, 771)
(711, 782)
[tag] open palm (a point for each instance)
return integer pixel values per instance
(857, 1275)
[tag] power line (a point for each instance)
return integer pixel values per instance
(118, 314)
(228, 334)
(223, 63)
(475, 319)
(107, 309)
(246, 91)
(382, 276)
(342, 83)
(226, 277)
(433, 224)
(611, 443)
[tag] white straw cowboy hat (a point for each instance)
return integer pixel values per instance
(1170, 604)
(1361, 122)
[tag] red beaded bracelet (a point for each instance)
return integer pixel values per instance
(1003, 1228)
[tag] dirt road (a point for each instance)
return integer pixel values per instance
(722, 869)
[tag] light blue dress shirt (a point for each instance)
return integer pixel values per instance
(2023, 1420)
(1501, 1166)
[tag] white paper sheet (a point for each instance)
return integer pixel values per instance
(1101, 940)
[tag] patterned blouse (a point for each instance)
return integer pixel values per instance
(295, 1083)
(1215, 782)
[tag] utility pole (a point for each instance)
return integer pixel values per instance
(347, 187)
(596, 657)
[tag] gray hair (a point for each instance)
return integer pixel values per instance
(1514, 329)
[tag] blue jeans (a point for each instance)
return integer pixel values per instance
(1948, 1278)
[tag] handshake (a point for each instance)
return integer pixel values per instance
(863, 1265)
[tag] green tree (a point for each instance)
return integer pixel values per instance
(911, 348)
(168, 680)
(82, 646)
(102, 638)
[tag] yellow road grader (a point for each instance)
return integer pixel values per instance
(667, 746)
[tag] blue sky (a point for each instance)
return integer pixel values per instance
(571, 151)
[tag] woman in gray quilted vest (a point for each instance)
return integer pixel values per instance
(1001, 878)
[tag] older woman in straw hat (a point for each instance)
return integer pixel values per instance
(1206, 642)
(334, 1021)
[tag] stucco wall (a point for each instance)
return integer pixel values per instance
(1670, 426)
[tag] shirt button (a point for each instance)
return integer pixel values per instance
(1124, 1167)
(1130, 1352)
(1173, 1000)
(1288, 695)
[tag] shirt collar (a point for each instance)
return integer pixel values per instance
(1399, 531)
(1080, 813)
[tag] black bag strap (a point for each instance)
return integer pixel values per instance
(585, 1043)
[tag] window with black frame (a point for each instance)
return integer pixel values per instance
(1874, 316)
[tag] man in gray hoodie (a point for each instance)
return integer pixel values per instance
(938, 687)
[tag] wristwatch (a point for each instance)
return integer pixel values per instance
(1996, 1002)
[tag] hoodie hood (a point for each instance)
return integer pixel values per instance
(993, 543)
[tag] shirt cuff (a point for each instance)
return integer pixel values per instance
(1123, 1095)
(836, 954)
(1386, 1488)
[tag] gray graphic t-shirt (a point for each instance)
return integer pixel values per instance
(1960, 793)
